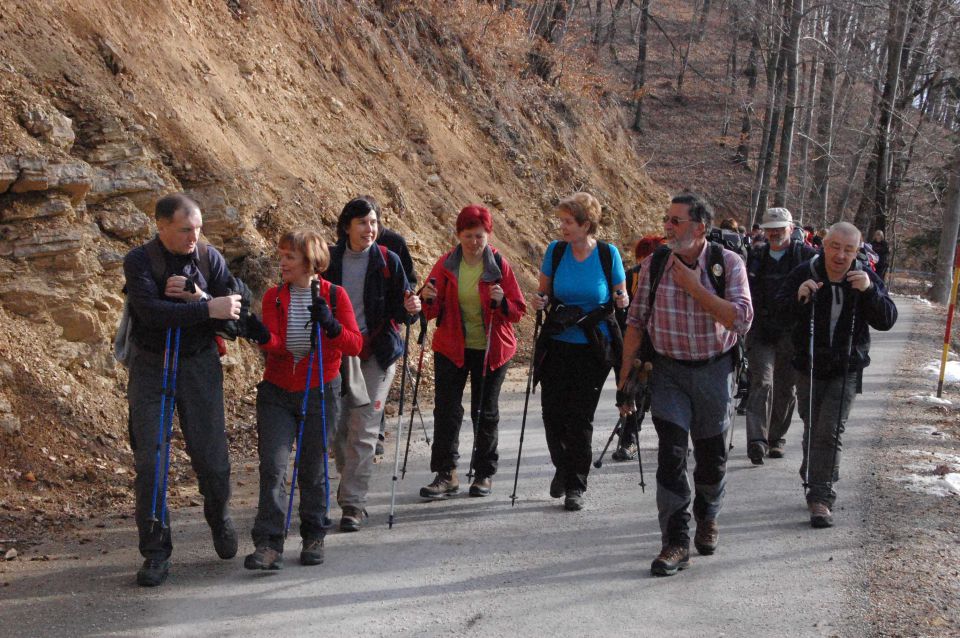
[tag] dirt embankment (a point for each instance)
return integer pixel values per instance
(272, 115)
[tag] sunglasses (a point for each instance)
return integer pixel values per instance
(676, 221)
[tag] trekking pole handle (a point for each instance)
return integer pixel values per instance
(314, 289)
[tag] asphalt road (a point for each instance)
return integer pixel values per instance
(477, 566)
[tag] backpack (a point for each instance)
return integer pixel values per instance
(716, 272)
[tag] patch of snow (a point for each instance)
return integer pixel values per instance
(929, 399)
(917, 298)
(951, 374)
(924, 476)
(947, 485)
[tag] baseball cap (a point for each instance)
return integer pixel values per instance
(776, 218)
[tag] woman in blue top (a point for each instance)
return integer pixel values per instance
(575, 361)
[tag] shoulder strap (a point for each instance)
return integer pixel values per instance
(386, 262)
(717, 275)
(606, 262)
(333, 299)
(204, 254)
(658, 263)
(558, 249)
(158, 265)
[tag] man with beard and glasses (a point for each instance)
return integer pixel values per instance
(692, 333)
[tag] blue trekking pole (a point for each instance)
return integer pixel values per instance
(315, 349)
(169, 428)
(161, 428)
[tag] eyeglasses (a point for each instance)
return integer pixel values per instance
(676, 221)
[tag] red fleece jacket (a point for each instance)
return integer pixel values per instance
(281, 370)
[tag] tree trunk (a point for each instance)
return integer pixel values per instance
(820, 189)
(896, 33)
(940, 292)
(746, 124)
(640, 72)
(791, 50)
(807, 127)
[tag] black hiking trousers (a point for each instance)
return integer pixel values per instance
(199, 409)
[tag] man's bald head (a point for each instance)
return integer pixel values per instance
(845, 229)
(840, 248)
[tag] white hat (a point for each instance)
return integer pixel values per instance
(776, 218)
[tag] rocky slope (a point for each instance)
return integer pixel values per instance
(272, 115)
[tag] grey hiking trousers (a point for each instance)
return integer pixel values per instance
(773, 393)
(832, 400)
(278, 418)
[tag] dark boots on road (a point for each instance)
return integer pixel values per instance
(707, 536)
(264, 557)
(672, 559)
(445, 484)
(153, 572)
(225, 540)
(820, 515)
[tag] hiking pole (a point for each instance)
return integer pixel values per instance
(526, 403)
(483, 383)
(161, 429)
(806, 479)
(617, 429)
(643, 410)
(843, 386)
(314, 348)
(172, 389)
(414, 405)
(396, 458)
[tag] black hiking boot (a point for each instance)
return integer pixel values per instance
(776, 449)
(481, 486)
(153, 572)
(352, 518)
(445, 484)
(225, 540)
(705, 540)
(264, 557)
(573, 501)
(556, 485)
(312, 552)
(756, 451)
(626, 452)
(820, 515)
(672, 559)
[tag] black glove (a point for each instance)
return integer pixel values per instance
(321, 315)
(255, 330)
(624, 398)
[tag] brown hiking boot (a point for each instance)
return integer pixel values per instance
(672, 559)
(820, 515)
(445, 484)
(481, 486)
(705, 540)
(352, 518)
(265, 557)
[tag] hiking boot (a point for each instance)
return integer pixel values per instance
(573, 501)
(225, 540)
(556, 485)
(481, 486)
(820, 515)
(264, 557)
(705, 540)
(445, 484)
(776, 449)
(625, 452)
(153, 572)
(672, 559)
(756, 451)
(312, 552)
(352, 518)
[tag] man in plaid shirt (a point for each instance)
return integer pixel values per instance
(693, 332)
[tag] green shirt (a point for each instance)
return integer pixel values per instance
(468, 294)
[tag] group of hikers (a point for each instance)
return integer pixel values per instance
(674, 328)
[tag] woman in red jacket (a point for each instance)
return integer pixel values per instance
(475, 298)
(284, 335)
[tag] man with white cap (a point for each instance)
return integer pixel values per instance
(769, 347)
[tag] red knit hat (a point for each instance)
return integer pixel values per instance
(472, 216)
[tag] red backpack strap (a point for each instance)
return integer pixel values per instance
(386, 262)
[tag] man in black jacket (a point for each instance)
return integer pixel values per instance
(846, 299)
(173, 282)
(769, 347)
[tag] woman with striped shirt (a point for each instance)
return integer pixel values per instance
(285, 336)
